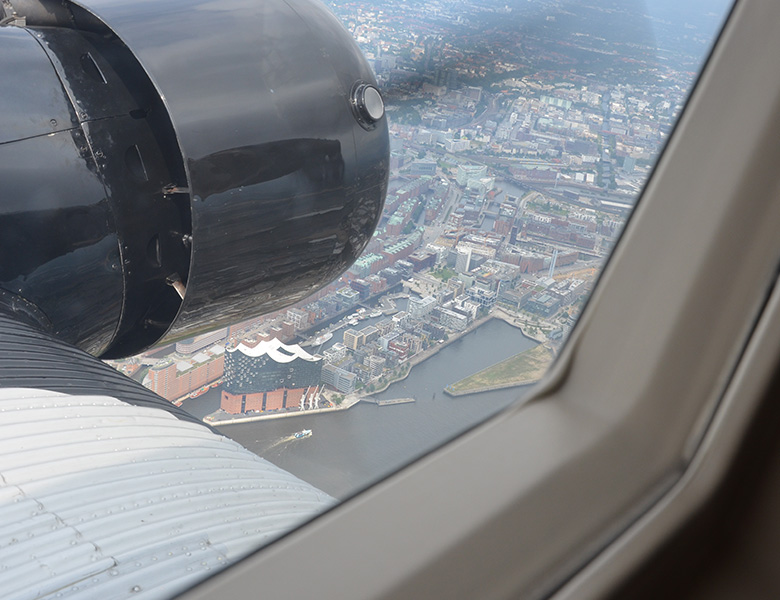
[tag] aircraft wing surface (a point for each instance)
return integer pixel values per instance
(107, 490)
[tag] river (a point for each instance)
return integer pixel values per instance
(351, 449)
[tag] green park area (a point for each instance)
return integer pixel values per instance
(444, 273)
(521, 369)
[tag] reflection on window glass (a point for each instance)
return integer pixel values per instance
(521, 136)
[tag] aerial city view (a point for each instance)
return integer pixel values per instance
(521, 135)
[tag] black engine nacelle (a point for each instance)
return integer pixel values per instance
(171, 166)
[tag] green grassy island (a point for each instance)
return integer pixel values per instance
(521, 369)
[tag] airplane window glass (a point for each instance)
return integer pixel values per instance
(521, 134)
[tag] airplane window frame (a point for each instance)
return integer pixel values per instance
(565, 493)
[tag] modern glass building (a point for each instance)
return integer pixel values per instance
(268, 376)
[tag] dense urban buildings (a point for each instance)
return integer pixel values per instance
(517, 152)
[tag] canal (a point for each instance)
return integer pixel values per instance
(507, 189)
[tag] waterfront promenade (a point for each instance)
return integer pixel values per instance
(415, 360)
(220, 418)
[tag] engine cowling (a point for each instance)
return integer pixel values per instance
(172, 167)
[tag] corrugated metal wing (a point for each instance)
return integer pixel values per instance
(104, 499)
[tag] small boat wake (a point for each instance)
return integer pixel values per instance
(280, 445)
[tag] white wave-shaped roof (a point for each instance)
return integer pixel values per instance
(102, 499)
(276, 350)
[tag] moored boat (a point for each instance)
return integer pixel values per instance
(322, 338)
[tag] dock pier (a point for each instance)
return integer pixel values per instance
(388, 402)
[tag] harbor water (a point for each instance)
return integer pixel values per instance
(351, 449)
